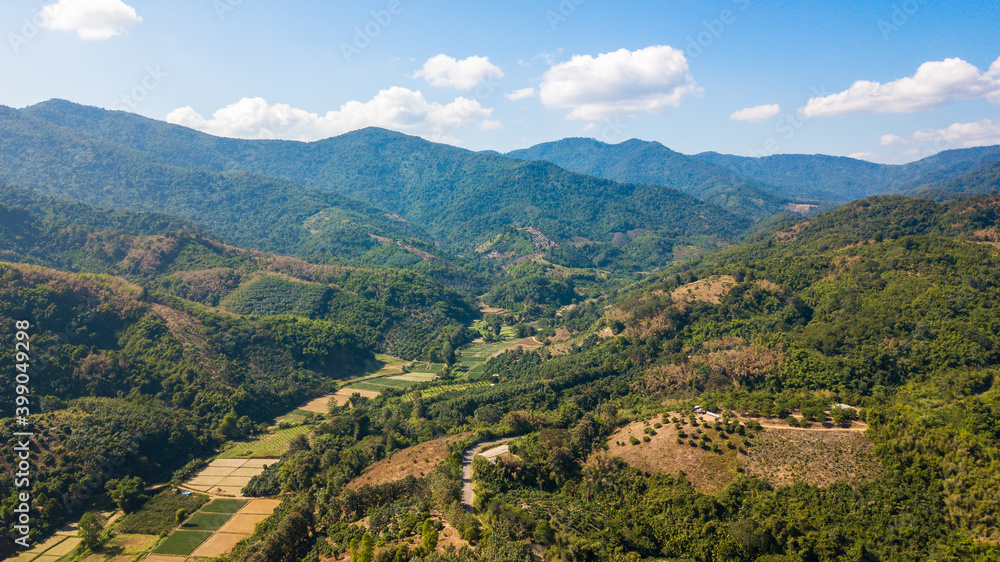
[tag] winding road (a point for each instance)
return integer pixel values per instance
(468, 495)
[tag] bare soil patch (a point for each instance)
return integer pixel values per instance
(243, 523)
(264, 506)
(417, 461)
(705, 290)
(319, 405)
(218, 544)
(816, 456)
(708, 471)
(344, 394)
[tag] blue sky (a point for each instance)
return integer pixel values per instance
(886, 81)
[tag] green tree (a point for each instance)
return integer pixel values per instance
(430, 535)
(91, 530)
(127, 493)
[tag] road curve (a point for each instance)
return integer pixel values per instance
(468, 496)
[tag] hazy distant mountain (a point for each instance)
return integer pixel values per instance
(840, 179)
(639, 161)
(247, 208)
(457, 196)
(981, 180)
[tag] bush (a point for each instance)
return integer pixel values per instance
(633, 440)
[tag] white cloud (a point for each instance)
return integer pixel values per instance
(934, 84)
(399, 109)
(90, 19)
(963, 135)
(756, 113)
(465, 74)
(489, 125)
(623, 82)
(867, 156)
(521, 94)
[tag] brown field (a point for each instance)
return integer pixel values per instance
(162, 558)
(319, 405)
(227, 477)
(708, 471)
(243, 523)
(124, 548)
(262, 506)
(344, 394)
(418, 461)
(782, 455)
(816, 456)
(65, 547)
(216, 545)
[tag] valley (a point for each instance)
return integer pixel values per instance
(375, 347)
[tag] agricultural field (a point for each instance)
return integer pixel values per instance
(266, 446)
(644, 446)
(820, 457)
(159, 513)
(711, 458)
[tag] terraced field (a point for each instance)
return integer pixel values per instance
(266, 446)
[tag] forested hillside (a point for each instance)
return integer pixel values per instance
(978, 181)
(840, 179)
(391, 310)
(636, 161)
(884, 309)
(142, 381)
(249, 209)
(456, 196)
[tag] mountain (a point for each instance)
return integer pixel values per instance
(840, 179)
(458, 197)
(246, 208)
(981, 180)
(636, 161)
(395, 311)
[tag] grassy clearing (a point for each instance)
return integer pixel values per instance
(122, 547)
(265, 446)
(182, 543)
(206, 521)
(159, 514)
(224, 506)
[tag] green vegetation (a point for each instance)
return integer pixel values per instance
(159, 514)
(224, 506)
(182, 543)
(162, 346)
(206, 521)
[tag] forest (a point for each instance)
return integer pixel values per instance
(612, 371)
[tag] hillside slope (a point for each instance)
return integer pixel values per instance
(636, 161)
(457, 196)
(840, 179)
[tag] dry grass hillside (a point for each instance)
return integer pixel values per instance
(711, 457)
(415, 461)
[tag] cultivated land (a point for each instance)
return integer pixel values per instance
(269, 445)
(782, 455)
